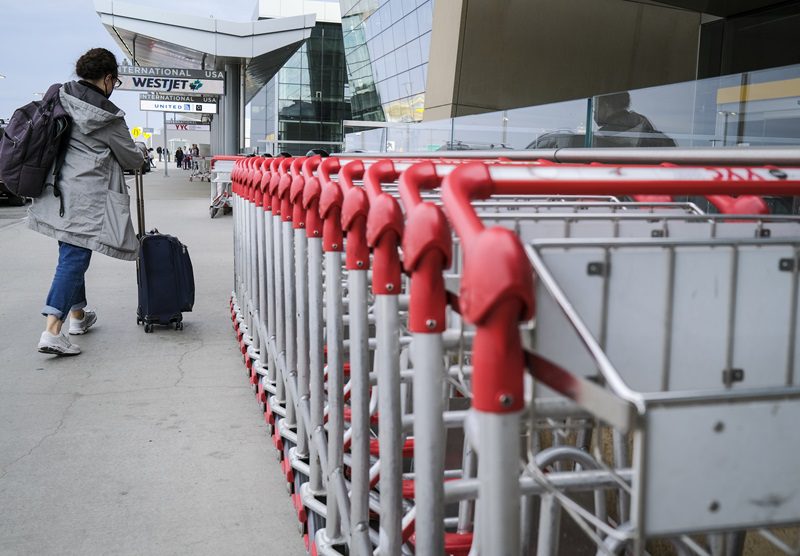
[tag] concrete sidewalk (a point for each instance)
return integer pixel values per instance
(144, 443)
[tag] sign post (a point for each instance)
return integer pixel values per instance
(166, 160)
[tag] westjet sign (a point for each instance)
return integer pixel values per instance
(172, 80)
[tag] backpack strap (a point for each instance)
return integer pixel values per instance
(63, 123)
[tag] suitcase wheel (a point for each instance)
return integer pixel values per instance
(178, 326)
(148, 328)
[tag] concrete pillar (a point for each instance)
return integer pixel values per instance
(217, 143)
(231, 107)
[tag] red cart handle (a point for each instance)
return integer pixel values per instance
(326, 168)
(252, 175)
(311, 194)
(275, 184)
(311, 197)
(266, 182)
(296, 190)
(746, 204)
(235, 178)
(280, 184)
(496, 292)
(427, 249)
(310, 166)
(355, 209)
(285, 186)
(384, 229)
(266, 173)
(243, 178)
(257, 194)
(330, 206)
(350, 172)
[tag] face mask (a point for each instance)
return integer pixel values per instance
(108, 94)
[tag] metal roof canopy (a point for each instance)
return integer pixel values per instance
(154, 37)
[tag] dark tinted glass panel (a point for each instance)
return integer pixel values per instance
(305, 101)
(760, 39)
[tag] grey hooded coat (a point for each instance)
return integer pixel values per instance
(97, 212)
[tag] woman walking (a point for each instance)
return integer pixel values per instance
(92, 211)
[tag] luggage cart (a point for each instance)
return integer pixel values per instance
(220, 168)
(269, 281)
(201, 169)
(656, 414)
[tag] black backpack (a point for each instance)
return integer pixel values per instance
(35, 141)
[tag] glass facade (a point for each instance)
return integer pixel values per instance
(758, 108)
(303, 106)
(387, 46)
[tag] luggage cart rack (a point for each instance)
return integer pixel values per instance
(220, 168)
(483, 356)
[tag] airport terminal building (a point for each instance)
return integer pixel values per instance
(312, 70)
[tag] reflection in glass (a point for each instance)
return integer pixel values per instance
(304, 103)
(383, 88)
(619, 126)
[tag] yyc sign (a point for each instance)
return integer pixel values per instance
(190, 127)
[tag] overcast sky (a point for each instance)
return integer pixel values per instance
(40, 41)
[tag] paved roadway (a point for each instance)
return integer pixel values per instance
(144, 443)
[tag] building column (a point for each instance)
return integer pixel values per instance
(231, 120)
(217, 143)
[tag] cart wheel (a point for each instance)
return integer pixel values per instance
(148, 328)
(178, 326)
(138, 321)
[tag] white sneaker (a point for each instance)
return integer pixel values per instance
(82, 326)
(57, 345)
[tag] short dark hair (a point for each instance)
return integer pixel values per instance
(616, 101)
(96, 63)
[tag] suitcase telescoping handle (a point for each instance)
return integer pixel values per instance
(140, 203)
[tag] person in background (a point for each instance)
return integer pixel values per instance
(92, 211)
(179, 157)
(159, 152)
(167, 154)
(621, 127)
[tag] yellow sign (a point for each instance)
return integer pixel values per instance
(759, 91)
(136, 132)
(148, 135)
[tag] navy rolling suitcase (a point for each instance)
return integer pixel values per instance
(164, 275)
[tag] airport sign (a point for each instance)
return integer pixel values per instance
(208, 99)
(172, 80)
(177, 106)
(189, 127)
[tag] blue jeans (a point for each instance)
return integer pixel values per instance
(68, 290)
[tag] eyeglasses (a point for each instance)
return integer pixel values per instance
(117, 83)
